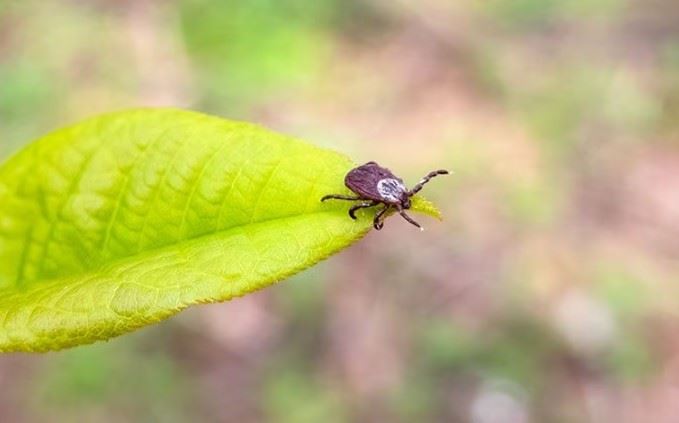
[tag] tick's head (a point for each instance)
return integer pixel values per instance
(405, 202)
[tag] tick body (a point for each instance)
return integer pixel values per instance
(375, 185)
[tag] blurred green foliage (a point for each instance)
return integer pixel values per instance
(291, 396)
(246, 52)
(113, 381)
(526, 15)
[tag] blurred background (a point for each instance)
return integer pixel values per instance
(550, 292)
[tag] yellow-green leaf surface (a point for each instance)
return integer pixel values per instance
(125, 219)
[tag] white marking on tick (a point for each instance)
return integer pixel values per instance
(390, 189)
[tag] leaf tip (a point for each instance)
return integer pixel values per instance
(424, 206)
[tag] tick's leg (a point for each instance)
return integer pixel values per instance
(340, 197)
(358, 206)
(378, 223)
(426, 179)
(408, 218)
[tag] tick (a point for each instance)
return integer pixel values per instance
(375, 185)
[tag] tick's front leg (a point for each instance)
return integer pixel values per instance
(408, 218)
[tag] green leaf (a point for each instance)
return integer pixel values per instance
(125, 219)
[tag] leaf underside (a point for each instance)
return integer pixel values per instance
(125, 219)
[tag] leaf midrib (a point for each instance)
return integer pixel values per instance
(168, 247)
